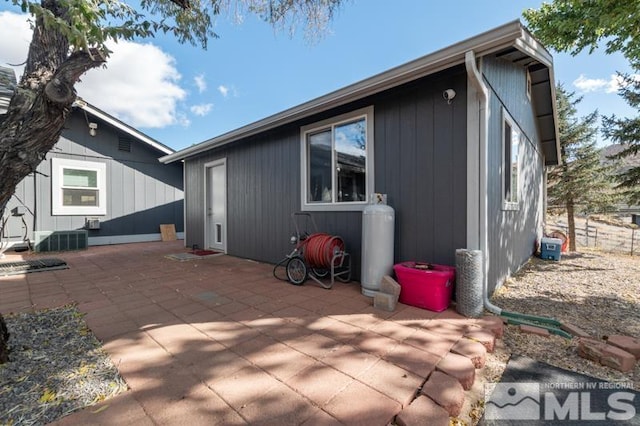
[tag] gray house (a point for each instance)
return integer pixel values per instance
(101, 183)
(458, 140)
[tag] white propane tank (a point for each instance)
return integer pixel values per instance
(377, 243)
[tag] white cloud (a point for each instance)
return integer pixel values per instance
(587, 85)
(227, 90)
(140, 85)
(16, 36)
(224, 90)
(202, 109)
(614, 84)
(200, 82)
(182, 119)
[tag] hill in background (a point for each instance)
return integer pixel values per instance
(625, 163)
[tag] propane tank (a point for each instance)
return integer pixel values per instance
(377, 243)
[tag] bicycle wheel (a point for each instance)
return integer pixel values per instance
(296, 270)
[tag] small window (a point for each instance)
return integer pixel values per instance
(337, 162)
(528, 88)
(78, 187)
(511, 138)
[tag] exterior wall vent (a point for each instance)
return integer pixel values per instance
(124, 144)
(60, 240)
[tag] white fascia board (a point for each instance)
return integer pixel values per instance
(554, 111)
(532, 48)
(552, 84)
(528, 45)
(482, 44)
(122, 126)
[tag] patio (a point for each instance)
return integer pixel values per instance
(218, 340)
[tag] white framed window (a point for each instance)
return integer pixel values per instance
(511, 142)
(78, 187)
(337, 162)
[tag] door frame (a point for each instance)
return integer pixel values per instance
(220, 162)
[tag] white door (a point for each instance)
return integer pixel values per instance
(216, 206)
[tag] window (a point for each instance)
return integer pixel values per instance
(511, 137)
(78, 187)
(337, 162)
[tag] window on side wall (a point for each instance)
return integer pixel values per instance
(511, 141)
(337, 162)
(78, 187)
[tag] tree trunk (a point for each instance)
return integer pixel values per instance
(572, 225)
(4, 341)
(40, 104)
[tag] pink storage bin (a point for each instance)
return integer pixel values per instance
(428, 289)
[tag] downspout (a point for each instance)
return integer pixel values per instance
(483, 94)
(553, 325)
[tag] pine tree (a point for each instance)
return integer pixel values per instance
(581, 184)
(626, 132)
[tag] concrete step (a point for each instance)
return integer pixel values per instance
(423, 411)
(471, 349)
(444, 392)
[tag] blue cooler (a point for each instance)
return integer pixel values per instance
(550, 248)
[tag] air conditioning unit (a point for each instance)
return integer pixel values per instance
(92, 223)
(60, 240)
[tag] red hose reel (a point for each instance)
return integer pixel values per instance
(316, 255)
(320, 250)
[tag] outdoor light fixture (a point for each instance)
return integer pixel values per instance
(448, 95)
(93, 129)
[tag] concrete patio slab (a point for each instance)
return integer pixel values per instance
(218, 340)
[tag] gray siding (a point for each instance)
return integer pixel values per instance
(512, 233)
(262, 176)
(142, 193)
(420, 163)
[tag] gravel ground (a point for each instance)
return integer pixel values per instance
(596, 291)
(55, 367)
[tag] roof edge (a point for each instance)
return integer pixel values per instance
(487, 42)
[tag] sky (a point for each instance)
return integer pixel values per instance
(182, 95)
